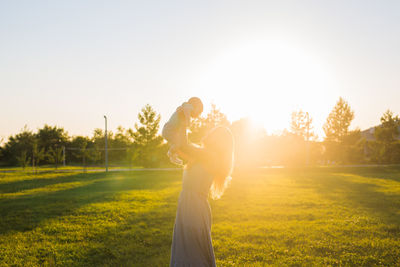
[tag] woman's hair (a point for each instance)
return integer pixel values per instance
(219, 144)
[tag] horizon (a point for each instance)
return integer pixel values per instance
(114, 130)
(68, 64)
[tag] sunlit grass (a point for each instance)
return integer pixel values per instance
(333, 216)
(311, 217)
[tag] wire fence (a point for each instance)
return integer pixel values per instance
(95, 157)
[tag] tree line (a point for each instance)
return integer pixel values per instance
(140, 146)
(143, 146)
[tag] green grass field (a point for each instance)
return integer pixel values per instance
(281, 217)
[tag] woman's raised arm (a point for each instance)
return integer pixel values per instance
(191, 152)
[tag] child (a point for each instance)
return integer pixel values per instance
(174, 131)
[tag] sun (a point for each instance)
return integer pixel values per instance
(266, 81)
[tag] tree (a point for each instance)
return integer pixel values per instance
(336, 129)
(23, 159)
(55, 156)
(197, 129)
(46, 138)
(1, 150)
(216, 118)
(338, 122)
(73, 154)
(301, 125)
(200, 126)
(386, 134)
(352, 146)
(147, 141)
(130, 156)
(84, 150)
(51, 137)
(18, 143)
(85, 156)
(37, 155)
(388, 131)
(98, 143)
(122, 137)
(121, 142)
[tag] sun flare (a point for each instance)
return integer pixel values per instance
(266, 81)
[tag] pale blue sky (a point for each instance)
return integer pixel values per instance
(67, 63)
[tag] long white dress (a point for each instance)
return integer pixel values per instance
(191, 242)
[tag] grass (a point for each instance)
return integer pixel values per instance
(45, 168)
(280, 217)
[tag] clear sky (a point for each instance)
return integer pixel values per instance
(68, 63)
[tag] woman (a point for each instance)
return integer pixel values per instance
(208, 171)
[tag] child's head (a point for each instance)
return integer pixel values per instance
(197, 106)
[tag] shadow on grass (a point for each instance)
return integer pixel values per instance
(32, 182)
(144, 239)
(361, 195)
(24, 213)
(385, 173)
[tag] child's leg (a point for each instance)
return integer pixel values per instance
(171, 136)
(175, 145)
(176, 137)
(180, 139)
